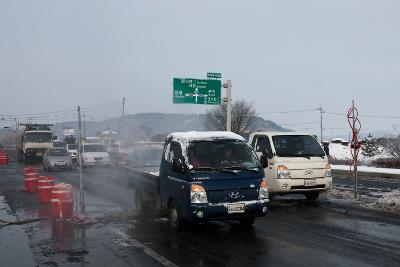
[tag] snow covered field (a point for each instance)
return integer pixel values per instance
(341, 152)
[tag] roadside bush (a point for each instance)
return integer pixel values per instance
(393, 163)
(334, 161)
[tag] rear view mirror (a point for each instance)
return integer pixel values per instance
(264, 161)
(326, 149)
(267, 154)
(177, 165)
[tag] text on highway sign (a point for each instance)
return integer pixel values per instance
(196, 91)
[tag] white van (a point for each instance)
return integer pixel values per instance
(296, 163)
(95, 154)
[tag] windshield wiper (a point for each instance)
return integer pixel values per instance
(313, 155)
(255, 169)
(204, 169)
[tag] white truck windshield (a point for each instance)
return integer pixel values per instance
(35, 137)
(297, 146)
(94, 148)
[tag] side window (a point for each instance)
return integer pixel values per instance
(173, 150)
(253, 142)
(263, 143)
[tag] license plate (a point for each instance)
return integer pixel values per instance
(312, 182)
(236, 208)
(38, 154)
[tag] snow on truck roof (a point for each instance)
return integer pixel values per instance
(200, 136)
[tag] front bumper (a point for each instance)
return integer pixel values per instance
(297, 185)
(60, 166)
(96, 163)
(219, 211)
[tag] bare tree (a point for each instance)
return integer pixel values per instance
(243, 117)
(392, 146)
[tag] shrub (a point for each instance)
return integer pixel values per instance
(393, 163)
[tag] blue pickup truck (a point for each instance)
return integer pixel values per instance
(202, 176)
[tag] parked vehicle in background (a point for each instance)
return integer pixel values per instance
(73, 152)
(33, 141)
(57, 143)
(56, 158)
(95, 154)
(296, 163)
(203, 176)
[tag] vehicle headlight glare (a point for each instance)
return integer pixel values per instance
(283, 172)
(198, 194)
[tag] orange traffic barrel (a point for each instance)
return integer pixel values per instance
(44, 188)
(62, 201)
(31, 180)
(29, 170)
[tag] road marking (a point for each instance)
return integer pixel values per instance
(135, 243)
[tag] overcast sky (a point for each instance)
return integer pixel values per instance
(280, 55)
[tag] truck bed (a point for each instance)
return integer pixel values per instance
(145, 177)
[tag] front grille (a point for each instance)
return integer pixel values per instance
(98, 158)
(233, 195)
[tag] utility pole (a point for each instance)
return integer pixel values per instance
(228, 86)
(82, 196)
(84, 125)
(321, 125)
(122, 119)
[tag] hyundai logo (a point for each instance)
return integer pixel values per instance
(308, 172)
(234, 194)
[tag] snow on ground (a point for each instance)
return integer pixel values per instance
(389, 201)
(367, 169)
(342, 152)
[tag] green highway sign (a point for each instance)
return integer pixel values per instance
(213, 75)
(196, 91)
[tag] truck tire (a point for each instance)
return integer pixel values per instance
(174, 219)
(247, 221)
(312, 196)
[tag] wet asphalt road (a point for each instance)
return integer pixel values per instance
(294, 233)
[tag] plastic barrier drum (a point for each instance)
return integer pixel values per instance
(31, 180)
(62, 201)
(44, 188)
(3, 158)
(29, 170)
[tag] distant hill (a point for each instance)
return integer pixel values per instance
(142, 126)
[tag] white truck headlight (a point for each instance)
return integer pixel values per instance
(198, 194)
(328, 170)
(263, 193)
(283, 171)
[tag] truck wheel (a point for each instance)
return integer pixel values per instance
(174, 219)
(247, 221)
(312, 196)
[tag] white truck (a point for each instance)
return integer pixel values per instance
(296, 163)
(33, 141)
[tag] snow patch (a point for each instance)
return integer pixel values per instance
(389, 201)
(367, 169)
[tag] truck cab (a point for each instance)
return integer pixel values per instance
(34, 141)
(211, 176)
(296, 163)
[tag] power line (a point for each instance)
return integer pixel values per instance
(290, 111)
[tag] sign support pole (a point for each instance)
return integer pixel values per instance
(228, 86)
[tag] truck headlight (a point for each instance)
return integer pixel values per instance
(283, 171)
(263, 193)
(198, 194)
(328, 170)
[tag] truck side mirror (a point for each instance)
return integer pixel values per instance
(267, 154)
(177, 165)
(326, 149)
(264, 161)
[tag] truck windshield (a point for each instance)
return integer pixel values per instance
(94, 148)
(58, 152)
(217, 155)
(38, 137)
(72, 147)
(297, 146)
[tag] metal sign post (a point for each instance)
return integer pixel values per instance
(355, 125)
(228, 86)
